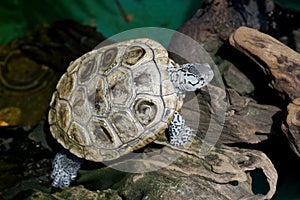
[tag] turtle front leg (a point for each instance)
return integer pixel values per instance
(180, 133)
(65, 168)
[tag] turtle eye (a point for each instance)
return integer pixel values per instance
(192, 69)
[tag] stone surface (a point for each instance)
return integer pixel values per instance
(59, 44)
(76, 192)
(23, 81)
(199, 172)
(29, 68)
(234, 77)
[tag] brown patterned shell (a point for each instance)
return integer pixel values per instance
(114, 100)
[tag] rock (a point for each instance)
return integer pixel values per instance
(279, 62)
(23, 81)
(79, 192)
(76, 192)
(245, 122)
(228, 118)
(234, 77)
(59, 44)
(29, 68)
(10, 116)
(296, 36)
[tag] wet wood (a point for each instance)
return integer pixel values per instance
(217, 19)
(279, 62)
(230, 118)
(281, 66)
(199, 172)
(291, 127)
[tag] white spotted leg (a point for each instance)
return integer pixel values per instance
(65, 168)
(180, 133)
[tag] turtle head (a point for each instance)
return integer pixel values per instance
(192, 76)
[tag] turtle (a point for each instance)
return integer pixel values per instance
(117, 99)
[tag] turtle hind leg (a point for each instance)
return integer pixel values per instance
(180, 134)
(65, 168)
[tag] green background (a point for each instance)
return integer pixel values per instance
(19, 16)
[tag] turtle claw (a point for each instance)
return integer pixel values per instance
(180, 134)
(65, 167)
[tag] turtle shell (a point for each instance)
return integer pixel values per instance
(114, 100)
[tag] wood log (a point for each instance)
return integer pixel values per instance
(282, 65)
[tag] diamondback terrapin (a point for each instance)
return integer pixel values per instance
(117, 99)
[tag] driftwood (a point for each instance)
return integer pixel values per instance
(292, 126)
(223, 173)
(279, 62)
(217, 19)
(282, 65)
(245, 120)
